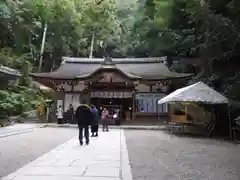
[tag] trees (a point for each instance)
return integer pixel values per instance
(148, 34)
(179, 28)
(207, 29)
(70, 27)
(214, 37)
(71, 24)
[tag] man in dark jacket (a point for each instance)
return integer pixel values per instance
(84, 118)
(96, 118)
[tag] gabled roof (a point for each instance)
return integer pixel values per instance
(133, 68)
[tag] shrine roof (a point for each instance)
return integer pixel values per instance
(134, 68)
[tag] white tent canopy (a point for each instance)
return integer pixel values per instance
(198, 92)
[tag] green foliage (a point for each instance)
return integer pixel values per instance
(209, 30)
(18, 99)
(71, 25)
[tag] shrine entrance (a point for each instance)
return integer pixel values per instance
(112, 103)
(113, 90)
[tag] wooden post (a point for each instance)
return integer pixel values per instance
(186, 111)
(72, 86)
(151, 88)
(133, 105)
(230, 124)
(170, 111)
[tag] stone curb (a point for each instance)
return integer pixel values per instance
(157, 128)
(125, 170)
(21, 132)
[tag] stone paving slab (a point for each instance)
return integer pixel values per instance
(130, 127)
(106, 158)
(63, 178)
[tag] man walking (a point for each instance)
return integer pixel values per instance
(84, 118)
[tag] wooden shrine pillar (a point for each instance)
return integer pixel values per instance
(133, 105)
(151, 88)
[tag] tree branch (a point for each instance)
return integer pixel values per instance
(100, 2)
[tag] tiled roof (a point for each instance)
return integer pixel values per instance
(116, 60)
(142, 68)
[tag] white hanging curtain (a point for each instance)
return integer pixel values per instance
(71, 99)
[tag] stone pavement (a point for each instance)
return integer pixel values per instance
(130, 127)
(106, 158)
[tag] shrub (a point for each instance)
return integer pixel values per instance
(17, 100)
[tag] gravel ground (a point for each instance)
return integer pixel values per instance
(154, 155)
(18, 128)
(18, 150)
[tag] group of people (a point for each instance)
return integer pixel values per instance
(87, 116)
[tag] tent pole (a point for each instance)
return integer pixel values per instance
(211, 120)
(186, 112)
(230, 123)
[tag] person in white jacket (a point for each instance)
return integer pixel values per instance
(59, 114)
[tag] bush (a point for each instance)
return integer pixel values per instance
(4, 122)
(1, 123)
(17, 100)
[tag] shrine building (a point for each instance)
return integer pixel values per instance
(132, 85)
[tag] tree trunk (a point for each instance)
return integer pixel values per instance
(92, 44)
(207, 62)
(42, 48)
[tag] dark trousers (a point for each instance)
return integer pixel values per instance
(86, 133)
(60, 120)
(105, 126)
(94, 128)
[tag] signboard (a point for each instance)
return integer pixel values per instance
(107, 94)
